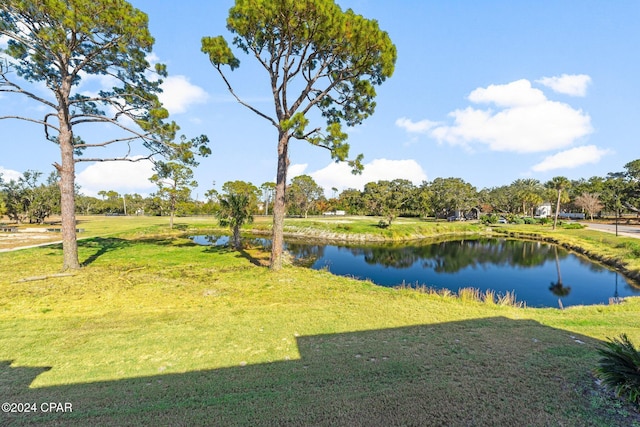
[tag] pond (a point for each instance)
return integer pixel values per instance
(540, 274)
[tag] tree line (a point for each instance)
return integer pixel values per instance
(32, 199)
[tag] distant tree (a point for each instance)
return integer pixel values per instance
(3, 205)
(86, 205)
(13, 192)
(174, 178)
(632, 189)
(235, 211)
(135, 203)
(350, 200)
(212, 204)
(111, 202)
(528, 193)
(27, 199)
(304, 193)
(315, 56)
(423, 198)
(53, 45)
(243, 187)
(614, 192)
(388, 198)
(449, 195)
(175, 182)
(590, 202)
(212, 195)
(558, 184)
(46, 199)
(498, 199)
(268, 191)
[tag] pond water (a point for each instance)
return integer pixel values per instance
(540, 274)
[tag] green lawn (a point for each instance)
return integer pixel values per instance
(157, 331)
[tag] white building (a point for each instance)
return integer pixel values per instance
(544, 210)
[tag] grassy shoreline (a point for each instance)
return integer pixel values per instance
(157, 330)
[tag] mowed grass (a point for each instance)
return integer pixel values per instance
(157, 331)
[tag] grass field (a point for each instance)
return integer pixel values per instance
(157, 331)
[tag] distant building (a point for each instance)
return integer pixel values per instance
(543, 211)
(338, 213)
(571, 215)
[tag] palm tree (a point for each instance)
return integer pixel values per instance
(235, 210)
(558, 183)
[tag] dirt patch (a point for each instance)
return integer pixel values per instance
(10, 241)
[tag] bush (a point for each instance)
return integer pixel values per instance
(489, 219)
(632, 247)
(514, 219)
(572, 226)
(619, 368)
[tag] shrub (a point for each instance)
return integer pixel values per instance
(619, 368)
(572, 225)
(489, 219)
(632, 247)
(514, 219)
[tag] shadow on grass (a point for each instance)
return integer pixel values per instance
(100, 246)
(493, 371)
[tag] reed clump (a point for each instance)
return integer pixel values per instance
(468, 294)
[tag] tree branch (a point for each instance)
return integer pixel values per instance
(258, 112)
(27, 119)
(116, 159)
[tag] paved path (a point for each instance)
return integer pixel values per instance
(623, 230)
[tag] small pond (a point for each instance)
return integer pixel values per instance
(540, 274)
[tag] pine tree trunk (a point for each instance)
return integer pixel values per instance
(277, 242)
(67, 200)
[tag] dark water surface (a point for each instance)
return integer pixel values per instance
(539, 274)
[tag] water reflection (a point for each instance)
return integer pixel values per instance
(558, 288)
(541, 275)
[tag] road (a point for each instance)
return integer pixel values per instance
(623, 230)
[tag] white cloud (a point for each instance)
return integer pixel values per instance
(4, 41)
(296, 170)
(339, 175)
(9, 174)
(178, 94)
(422, 126)
(527, 121)
(572, 158)
(514, 94)
(574, 85)
(123, 177)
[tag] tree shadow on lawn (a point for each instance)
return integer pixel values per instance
(492, 371)
(102, 245)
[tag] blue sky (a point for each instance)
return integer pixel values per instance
(489, 92)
